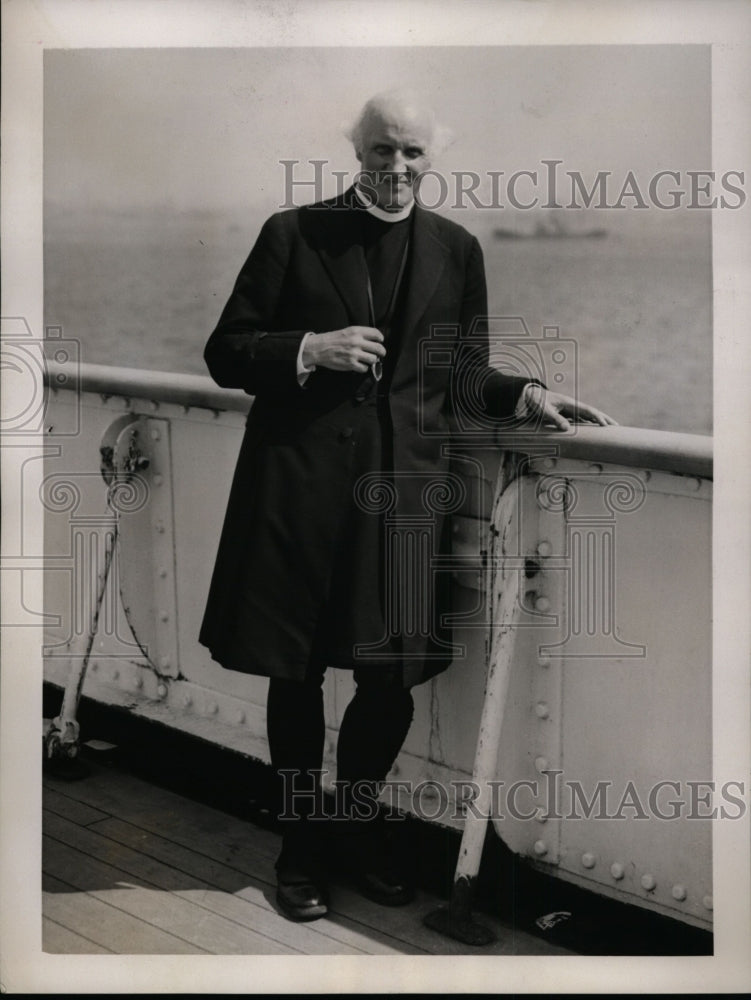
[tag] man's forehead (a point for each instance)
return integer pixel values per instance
(404, 122)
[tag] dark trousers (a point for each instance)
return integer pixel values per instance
(373, 729)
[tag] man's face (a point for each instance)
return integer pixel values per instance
(394, 153)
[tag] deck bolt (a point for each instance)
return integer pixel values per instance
(588, 859)
(679, 892)
(616, 870)
(648, 882)
(540, 847)
(542, 710)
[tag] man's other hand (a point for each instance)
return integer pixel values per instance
(353, 349)
(554, 408)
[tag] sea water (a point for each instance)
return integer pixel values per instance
(143, 288)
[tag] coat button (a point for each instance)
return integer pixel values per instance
(345, 434)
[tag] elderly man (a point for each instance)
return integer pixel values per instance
(324, 327)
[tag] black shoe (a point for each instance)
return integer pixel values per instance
(301, 895)
(368, 856)
(385, 886)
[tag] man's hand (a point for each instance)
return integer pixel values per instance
(554, 407)
(353, 349)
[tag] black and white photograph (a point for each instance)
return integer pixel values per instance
(365, 369)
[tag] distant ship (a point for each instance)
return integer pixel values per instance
(553, 228)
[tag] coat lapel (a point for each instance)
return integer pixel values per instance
(428, 259)
(340, 249)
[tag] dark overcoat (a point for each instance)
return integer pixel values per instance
(337, 515)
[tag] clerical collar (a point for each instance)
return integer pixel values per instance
(380, 213)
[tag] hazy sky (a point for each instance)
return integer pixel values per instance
(206, 128)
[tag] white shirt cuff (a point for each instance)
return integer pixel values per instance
(302, 371)
(521, 404)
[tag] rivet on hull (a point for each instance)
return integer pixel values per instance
(616, 870)
(161, 691)
(544, 548)
(648, 882)
(588, 859)
(542, 604)
(679, 892)
(540, 847)
(542, 710)
(541, 764)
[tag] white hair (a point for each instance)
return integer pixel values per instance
(407, 101)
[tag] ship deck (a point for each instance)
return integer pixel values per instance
(133, 868)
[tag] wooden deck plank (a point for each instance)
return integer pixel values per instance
(218, 839)
(233, 842)
(60, 940)
(339, 936)
(184, 918)
(227, 892)
(108, 926)
(71, 808)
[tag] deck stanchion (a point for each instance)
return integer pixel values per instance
(118, 467)
(456, 920)
(61, 742)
